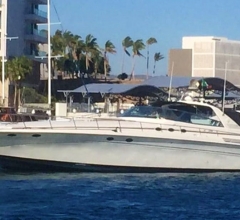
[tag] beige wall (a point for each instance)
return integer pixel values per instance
(203, 61)
(182, 59)
(204, 47)
(203, 58)
(228, 52)
(209, 57)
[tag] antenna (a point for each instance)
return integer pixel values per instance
(224, 87)
(170, 83)
(49, 50)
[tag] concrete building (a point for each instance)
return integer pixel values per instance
(180, 62)
(20, 19)
(210, 57)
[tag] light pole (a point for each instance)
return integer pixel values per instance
(170, 83)
(224, 87)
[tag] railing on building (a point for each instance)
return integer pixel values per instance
(40, 13)
(39, 33)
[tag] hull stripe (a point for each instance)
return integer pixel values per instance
(16, 164)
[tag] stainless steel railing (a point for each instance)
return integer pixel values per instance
(114, 124)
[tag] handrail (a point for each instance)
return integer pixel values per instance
(158, 126)
(40, 13)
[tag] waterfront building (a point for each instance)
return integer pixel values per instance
(21, 19)
(206, 57)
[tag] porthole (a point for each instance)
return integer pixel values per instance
(129, 139)
(171, 129)
(183, 130)
(36, 135)
(110, 138)
(158, 129)
(11, 135)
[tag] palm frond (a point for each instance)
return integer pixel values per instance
(158, 56)
(109, 47)
(137, 46)
(127, 42)
(127, 52)
(139, 54)
(151, 40)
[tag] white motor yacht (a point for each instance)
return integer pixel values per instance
(175, 137)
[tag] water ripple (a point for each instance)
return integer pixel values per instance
(111, 196)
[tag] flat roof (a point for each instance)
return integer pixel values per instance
(157, 82)
(153, 85)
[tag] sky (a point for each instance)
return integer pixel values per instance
(166, 20)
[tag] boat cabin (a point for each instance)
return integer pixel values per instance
(177, 111)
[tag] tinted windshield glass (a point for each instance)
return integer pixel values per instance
(143, 111)
(176, 114)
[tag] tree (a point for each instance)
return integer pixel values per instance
(122, 76)
(157, 57)
(67, 45)
(30, 95)
(126, 43)
(17, 69)
(109, 48)
(58, 45)
(149, 42)
(97, 59)
(75, 50)
(89, 46)
(138, 45)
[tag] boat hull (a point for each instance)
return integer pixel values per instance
(16, 164)
(114, 152)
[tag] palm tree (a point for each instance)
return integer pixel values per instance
(149, 42)
(89, 46)
(58, 48)
(138, 45)
(157, 57)
(72, 44)
(76, 54)
(126, 43)
(97, 60)
(67, 45)
(17, 69)
(109, 48)
(58, 45)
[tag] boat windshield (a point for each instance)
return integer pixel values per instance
(172, 114)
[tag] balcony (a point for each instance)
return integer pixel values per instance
(36, 36)
(37, 16)
(39, 2)
(36, 56)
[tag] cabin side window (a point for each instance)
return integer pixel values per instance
(200, 115)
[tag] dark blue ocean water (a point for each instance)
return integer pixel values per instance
(112, 196)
